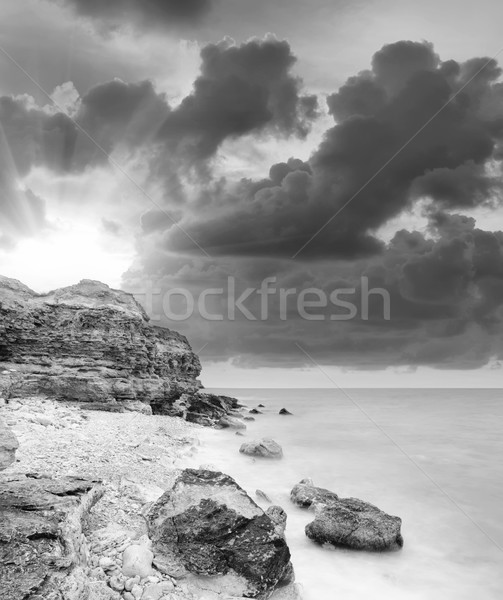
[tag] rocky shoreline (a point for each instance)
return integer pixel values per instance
(97, 500)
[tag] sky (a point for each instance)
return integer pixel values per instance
(309, 190)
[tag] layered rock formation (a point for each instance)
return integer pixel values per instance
(43, 551)
(90, 343)
(8, 445)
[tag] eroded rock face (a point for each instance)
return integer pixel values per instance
(208, 530)
(356, 524)
(90, 343)
(8, 445)
(42, 548)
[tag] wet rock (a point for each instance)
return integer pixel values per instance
(278, 517)
(227, 422)
(207, 409)
(264, 448)
(42, 547)
(305, 494)
(211, 530)
(355, 524)
(254, 411)
(8, 445)
(283, 411)
(262, 495)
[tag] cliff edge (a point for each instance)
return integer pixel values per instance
(90, 343)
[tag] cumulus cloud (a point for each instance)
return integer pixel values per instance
(379, 158)
(141, 13)
(114, 114)
(445, 284)
(241, 89)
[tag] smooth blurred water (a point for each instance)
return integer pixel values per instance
(454, 436)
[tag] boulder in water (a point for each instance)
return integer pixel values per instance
(355, 524)
(305, 494)
(264, 448)
(283, 411)
(227, 422)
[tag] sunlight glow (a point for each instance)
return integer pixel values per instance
(64, 258)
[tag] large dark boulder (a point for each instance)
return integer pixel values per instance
(207, 529)
(42, 547)
(355, 524)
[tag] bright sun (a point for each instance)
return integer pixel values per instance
(64, 258)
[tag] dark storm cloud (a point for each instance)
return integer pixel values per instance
(241, 89)
(142, 13)
(446, 302)
(381, 118)
(36, 137)
(112, 114)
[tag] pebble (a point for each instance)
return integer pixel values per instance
(128, 596)
(116, 583)
(106, 563)
(137, 560)
(128, 586)
(98, 573)
(137, 591)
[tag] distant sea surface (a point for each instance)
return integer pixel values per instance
(447, 500)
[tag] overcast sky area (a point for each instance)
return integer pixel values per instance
(326, 145)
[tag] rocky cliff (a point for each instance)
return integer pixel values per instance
(90, 343)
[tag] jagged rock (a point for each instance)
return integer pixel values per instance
(305, 494)
(42, 547)
(8, 445)
(88, 342)
(356, 524)
(206, 408)
(264, 448)
(208, 527)
(278, 517)
(284, 411)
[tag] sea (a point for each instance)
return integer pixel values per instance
(433, 457)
